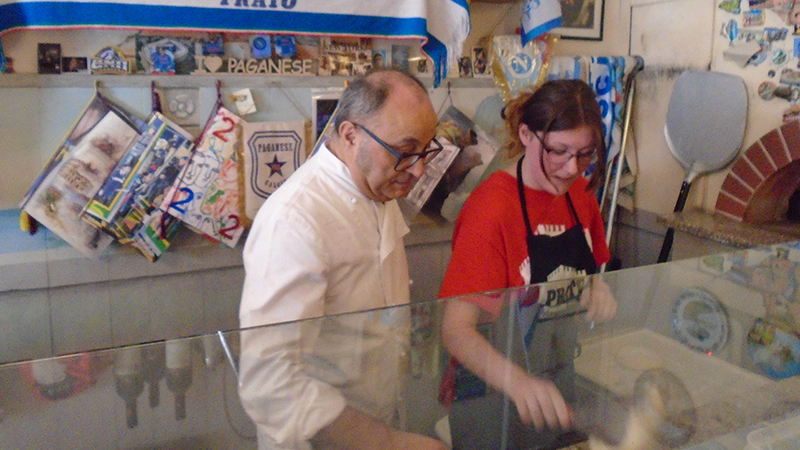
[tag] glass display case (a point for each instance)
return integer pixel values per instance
(701, 354)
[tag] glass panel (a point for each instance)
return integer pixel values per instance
(701, 354)
(169, 394)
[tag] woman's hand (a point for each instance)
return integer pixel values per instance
(538, 401)
(599, 301)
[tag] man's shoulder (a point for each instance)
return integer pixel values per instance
(308, 196)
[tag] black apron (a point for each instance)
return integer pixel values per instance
(547, 253)
(476, 422)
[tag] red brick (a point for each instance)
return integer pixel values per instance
(774, 144)
(744, 171)
(727, 205)
(737, 189)
(758, 157)
(791, 134)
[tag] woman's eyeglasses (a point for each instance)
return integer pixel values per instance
(561, 157)
(406, 159)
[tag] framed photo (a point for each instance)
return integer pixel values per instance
(581, 19)
(49, 58)
(323, 105)
(74, 64)
(480, 62)
(465, 67)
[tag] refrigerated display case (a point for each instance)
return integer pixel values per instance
(703, 352)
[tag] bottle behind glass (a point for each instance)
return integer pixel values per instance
(129, 380)
(179, 373)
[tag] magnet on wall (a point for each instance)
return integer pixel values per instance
(731, 6)
(779, 57)
(742, 54)
(730, 29)
(772, 34)
(759, 57)
(753, 18)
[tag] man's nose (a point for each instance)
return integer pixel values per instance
(417, 169)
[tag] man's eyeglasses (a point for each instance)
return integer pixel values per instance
(406, 159)
(561, 157)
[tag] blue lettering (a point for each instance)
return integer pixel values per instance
(603, 85)
(604, 107)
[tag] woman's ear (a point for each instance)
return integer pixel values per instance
(525, 135)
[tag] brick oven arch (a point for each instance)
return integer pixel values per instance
(763, 178)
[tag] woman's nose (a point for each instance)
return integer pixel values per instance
(572, 165)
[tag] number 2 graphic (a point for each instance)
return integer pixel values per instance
(226, 232)
(221, 132)
(177, 205)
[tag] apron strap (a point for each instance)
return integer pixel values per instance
(523, 204)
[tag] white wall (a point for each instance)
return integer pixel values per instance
(670, 34)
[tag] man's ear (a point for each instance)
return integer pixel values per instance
(347, 132)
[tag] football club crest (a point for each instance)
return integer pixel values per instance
(272, 152)
(276, 155)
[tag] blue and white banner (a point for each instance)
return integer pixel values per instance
(441, 25)
(539, 17)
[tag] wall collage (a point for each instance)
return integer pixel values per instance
(764, 35)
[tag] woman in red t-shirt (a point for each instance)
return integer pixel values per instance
(536, 220)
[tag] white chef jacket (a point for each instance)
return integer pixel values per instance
(319, 247)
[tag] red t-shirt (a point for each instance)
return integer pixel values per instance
(489, 239)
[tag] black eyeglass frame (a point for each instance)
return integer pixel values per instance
(403, 157)
(581, 159)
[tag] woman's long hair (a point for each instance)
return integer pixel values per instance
(557, 105)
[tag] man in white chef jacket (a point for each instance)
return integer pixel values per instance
(330, 241)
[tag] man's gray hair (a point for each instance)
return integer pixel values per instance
(365, 95)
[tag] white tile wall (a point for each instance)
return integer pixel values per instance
(80, 317)
(25, 325)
